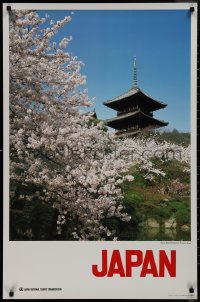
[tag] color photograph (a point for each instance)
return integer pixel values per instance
(100, 125)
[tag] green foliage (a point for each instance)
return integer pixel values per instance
(174, 136)
(160, 214)
(173, 170)
(181, 211)
(139, 179)
(30, 220)
(36, 221)
(143, 199)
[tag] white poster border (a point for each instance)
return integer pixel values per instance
(67, 265)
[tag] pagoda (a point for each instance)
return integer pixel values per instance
(134, 111)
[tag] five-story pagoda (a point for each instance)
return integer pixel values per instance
(134, 111)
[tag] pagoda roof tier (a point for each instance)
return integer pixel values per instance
(133, 132)
(132, 98)
(136, 118)
(128, 133)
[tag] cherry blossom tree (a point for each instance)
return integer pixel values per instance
(53, 145)
(144, 150)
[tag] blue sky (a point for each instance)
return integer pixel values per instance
(107, 41)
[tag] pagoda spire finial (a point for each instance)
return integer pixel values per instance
(134, 74)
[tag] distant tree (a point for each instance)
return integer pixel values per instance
(175, 131)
